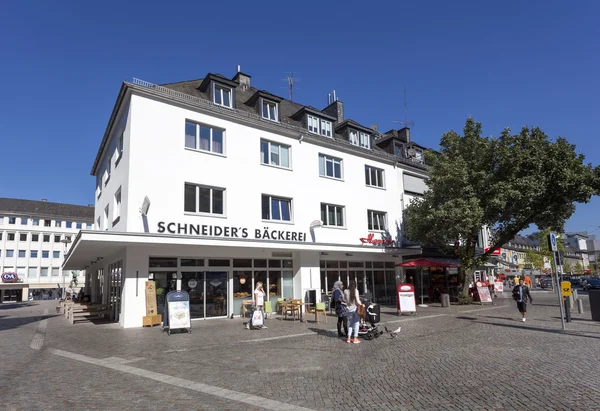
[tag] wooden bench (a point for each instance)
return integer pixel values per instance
(80, 310)
(87, 315)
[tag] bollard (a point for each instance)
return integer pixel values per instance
(445, 300)
(571, 301)
(580, 306)
(575, 295)
(568, 304)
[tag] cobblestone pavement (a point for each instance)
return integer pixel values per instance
(458, 358)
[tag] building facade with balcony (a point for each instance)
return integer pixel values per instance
(34, 236)
(212, 185)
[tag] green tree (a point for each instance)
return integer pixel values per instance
(567, 268)
(505, 183)
(578, 269)
(537, 257)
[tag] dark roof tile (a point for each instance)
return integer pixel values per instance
(35, 208)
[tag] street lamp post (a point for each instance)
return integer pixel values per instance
(65, 241)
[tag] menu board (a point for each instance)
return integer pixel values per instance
(179, 314)
(484, 294)
(151, 308)
(406, 299)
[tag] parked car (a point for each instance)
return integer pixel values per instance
(592, 284)
(546, 282)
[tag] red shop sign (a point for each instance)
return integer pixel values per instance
(386, 242)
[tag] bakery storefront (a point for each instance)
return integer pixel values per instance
(220, 272)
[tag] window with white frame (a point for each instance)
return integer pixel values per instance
(269, 110)
(117, 205)
(23, 237)
(222, 96)
(326, 128)
(332, 215)
(365, 141)
(374, 177)
(47, 223)
(377, 220)
(55, 272)
(11, 237)
(24, 220)
(354, 137)
(313, 124)
(276, 208)
(330, 166)
(12, 220)
(32, 272)
(274, 154)
(107, 172)
(204, 138)
(203, 199)
(44, 272)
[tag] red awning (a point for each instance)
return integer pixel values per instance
(424, 262)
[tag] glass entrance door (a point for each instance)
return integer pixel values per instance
(208, 293)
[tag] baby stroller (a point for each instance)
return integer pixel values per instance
(368, 325)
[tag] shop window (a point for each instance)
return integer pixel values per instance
(159, 262)
(355, 264)
(343, 264)
(274, 285)
(274, 263)
(331, 264)
(260, 263)
(377, 264)
(192, 262)
(322, 264)
(246, 262)
(288, 263)
(219, 263)
(390, 264)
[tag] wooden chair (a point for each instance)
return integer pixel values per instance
(245, 304)
(292, 309)
(320, 308)
(280, 305)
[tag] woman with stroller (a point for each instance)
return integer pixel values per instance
(352, 303)
(338, 297)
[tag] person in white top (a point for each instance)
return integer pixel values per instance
(259, 300)
(352, 303)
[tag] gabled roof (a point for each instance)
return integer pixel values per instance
(353, 124)
(33, 208)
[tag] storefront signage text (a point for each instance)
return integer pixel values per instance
(385, 242)
(229, 232)
(10, 277)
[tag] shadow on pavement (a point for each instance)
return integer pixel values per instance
(12, 323)
(324, 333)
(10, 306)
(567, 332)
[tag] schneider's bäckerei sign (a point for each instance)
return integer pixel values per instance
(206, 230)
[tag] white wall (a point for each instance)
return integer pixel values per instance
(159, 165)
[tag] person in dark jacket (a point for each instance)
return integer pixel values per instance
(521, 294)
(338, 297)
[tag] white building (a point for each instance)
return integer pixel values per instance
(34, 236)
(236, 183)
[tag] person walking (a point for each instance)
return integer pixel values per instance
(352, 303)
(259, 302)
(340, 302)
(521, 294)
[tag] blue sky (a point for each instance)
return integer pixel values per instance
(506, 63)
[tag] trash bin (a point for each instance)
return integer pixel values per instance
(445, 299)
(595, 304)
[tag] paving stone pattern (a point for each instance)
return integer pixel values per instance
(458, 358)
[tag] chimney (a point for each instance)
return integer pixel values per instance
(404, 134)
(335, 109)
(242, 79)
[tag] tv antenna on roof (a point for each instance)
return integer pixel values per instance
(405, 123)
(291, 80)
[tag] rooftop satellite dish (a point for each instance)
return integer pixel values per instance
(145, 206)
(316, 224)
(411, 152)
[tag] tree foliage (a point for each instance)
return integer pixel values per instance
(505, 183)
(538, 257)
(578, 269)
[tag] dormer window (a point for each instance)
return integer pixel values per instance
(319, 126)
(398, 150)
(269, 110)
(222, 96)
(365, 142)
(354, 137)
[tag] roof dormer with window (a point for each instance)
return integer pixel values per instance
(315, 121)
(266, 104)
(220, 89)
(356, 134)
